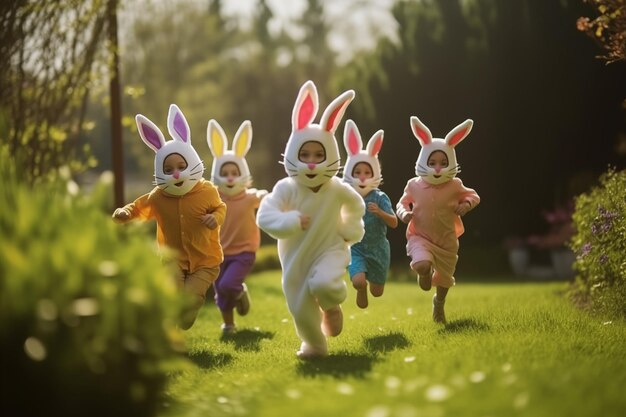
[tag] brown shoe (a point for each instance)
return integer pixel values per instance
(332, 321)
(242, 305)
(425, 281)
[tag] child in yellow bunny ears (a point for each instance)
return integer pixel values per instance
(240, 236)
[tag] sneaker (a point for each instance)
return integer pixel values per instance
(439, 315)
(308, 352)
(242, 305)
(425, 281)
(332, 321)
(228, 329)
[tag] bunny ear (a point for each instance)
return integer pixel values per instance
(459, 133)
(335, 111)
(216, 138)
(149, 132)
(375, 143)
(243, 139)
(421, 132)
(352, 138)
(177, 125)
(306, 106)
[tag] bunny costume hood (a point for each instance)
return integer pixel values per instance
(218, 143)
(353, 143)
(179, 182)
(430, 145)
(305, 109)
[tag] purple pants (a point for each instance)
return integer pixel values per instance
(233, 272)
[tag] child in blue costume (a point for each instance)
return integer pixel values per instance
(371, 256)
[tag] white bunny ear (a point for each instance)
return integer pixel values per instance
(334, 112)
(216, 138)
(177, 125)
(352, 138)
(375, 143)
(306, 106)
(421, 132)
(243, 139)
(459, 133)
(149, 132)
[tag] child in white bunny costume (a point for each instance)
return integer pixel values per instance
(187, 208)
(240, 235)
(432, 204)
(315, 217)
(371, 256)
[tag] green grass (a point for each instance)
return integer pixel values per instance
(518, 349)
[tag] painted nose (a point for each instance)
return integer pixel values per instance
(311, 166)
(176, 174)
(437, 169)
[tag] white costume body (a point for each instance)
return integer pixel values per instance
(313, 260)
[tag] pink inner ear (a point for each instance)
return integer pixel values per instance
(421, 134)
(377, 145)
(457, 137)
(151, 136)
(353, 143)
(306, 112)
(331, 119)
(180, 127)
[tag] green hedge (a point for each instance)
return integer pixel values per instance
(87, 310)
(600, 245)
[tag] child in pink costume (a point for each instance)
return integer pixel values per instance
(432, 204)
(240, 236)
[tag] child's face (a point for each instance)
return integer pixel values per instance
(230, 171)
(312, 153)
(174, 164)
(438, 160)
(362, 171)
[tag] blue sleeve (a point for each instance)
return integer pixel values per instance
(385, 203)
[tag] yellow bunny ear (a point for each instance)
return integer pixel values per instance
(216, 138)
(243, 139)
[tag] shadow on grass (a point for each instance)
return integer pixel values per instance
(338, 365)
(247, 339)
(386, 342)
(464, 325)
(207, 360)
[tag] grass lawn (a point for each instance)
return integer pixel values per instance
(518, 349)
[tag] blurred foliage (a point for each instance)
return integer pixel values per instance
(87, 310)
(608, 28)
(600, 244)
(52, 53)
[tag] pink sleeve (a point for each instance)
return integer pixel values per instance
(405, 203)
(468, 195)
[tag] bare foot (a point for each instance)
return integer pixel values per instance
(332, 321)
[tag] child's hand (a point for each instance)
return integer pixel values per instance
(373, 208)
(121, 215)
(304, 221)
(209, 221)
(407, 216)
(462, 208)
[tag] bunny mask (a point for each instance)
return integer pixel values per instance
(430, 145)
(179, 182)
(304, 111)
(218, 143)
(353, 143)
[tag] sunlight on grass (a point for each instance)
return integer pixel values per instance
(507, 350)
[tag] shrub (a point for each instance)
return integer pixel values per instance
(87, 310)
(600, 245)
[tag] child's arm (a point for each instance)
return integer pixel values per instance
(385, 212)
(137, 209)
(404, 208)
(352, 228)
(468, 200)
(273, 219)
(217, 211)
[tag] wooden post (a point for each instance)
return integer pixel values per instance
(116, 107)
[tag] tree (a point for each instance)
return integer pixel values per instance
(608, 29)
(50, 53)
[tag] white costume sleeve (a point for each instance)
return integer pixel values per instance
(274, 216)
(352, 212)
